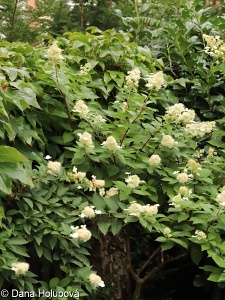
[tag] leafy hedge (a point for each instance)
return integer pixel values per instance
(109, 147)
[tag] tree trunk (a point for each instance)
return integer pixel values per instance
(110, 261)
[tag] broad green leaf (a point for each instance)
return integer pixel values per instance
(10, 154)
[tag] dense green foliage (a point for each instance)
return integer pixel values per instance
(80, 128)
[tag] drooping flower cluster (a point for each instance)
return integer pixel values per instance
(133, 181)
(154, 160)
(81, 108)
(54, 167)
(215, 46)
(54, 54)
(96, 281)
(133, 77)
(111, 144)
(82, 234)
(89, 212)
(168, 141)
(199, 235)
(85, 69)
(180, 114)
(136, 209)
(155, 81)
(20, 267)
(85, 139)
(200, 129)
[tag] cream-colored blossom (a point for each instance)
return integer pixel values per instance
(111, 144)
(81, 108)
(151, 209)
(112, 192)
(98, 183)
(199, 235)
(155, 80)
(167, 232)
(82, 234)
(133, 181)
(96, 281)
(154, 160)
(211, 152)
(220, 198)
(88, 212)
(184, 191)
(182, 177)
(85, 69)
(135, 209)
(200, 129)
(54, 166)
(175, 201)
(102, 192)
(180, 114)
(54, 54)
(20, 268)
(167, 141)
(194, 166)
(85, 139)
(215, 47)
(133, 77)
(98, 120)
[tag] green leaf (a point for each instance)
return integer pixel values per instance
(116, 225)
(10, 154)
(196, 254)
(64, 282)
(53, 283)
(15, 171)
(103, 226)
(5, 184)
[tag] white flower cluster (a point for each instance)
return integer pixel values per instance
(154, 160)
(211, 152)
(136, 209)
(215, 46)
(193, 166)
(180, 114)
(81, 108)
(78, 176)
(167, 141)
(182, 177)
(54, 54)
(167, 232)
(98, 120)
(133, 77)
(89, 212)
(96, 281)
(85, 69)
(199, 235)
(176, 200)
(133, 181)
(82, 234)
(184, 191)
(155, 81)
(54, 167)
(96, 184)
(85, 139)
(112, 192)
(200, 129)
(220, 198)
(20, 267)
(111, 144)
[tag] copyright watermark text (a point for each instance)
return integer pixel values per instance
(14, 293)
